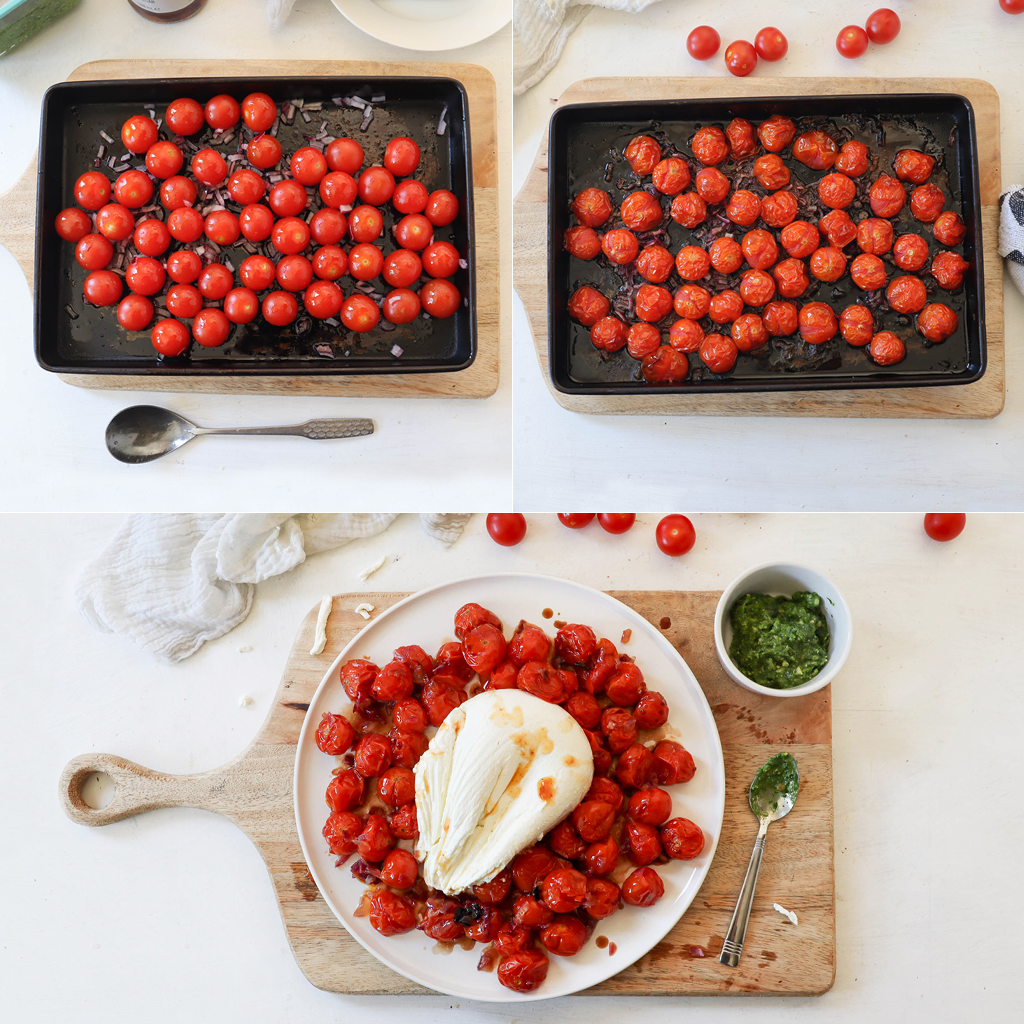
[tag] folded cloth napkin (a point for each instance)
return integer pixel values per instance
(172, 582)
(541, 28)
(278, 11)
(1011, 233)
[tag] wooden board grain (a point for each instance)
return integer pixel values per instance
(255, 791)
(480, 380)
(981, 400)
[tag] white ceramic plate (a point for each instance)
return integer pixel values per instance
(428, 24)
(426, 619)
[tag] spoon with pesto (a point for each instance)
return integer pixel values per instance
(772, 795)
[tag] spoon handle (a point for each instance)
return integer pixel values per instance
(316, 430)
(733, 945)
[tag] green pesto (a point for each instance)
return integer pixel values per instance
(778, 779)
(779, 642)
(16, 29)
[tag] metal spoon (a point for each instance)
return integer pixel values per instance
(772, 795)
(142, 433)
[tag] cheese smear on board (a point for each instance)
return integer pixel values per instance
(500, 771)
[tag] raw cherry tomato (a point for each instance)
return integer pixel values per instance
(330, 263)
(170, 337)
(222, 112)
(344, 155)
(135, 312)
(401, 306)
(287, 198)
(944, 526)
(401, 156)
(675, 535)
(264, 152)
(222, 227)
(440, 298)
(852, 41)
(359, 313)
(365, 262)
(703, 42)
(257, 272)
(177, 192)
(1012, 6)
(308, 166)
(164, 160)
(339, 189)
(402, 268)
(185, 224)
(183, 266)
(256, 222)
(133, 189)
(883, 25)
(440, 259)
(102, 288)
(183, 300)
(414, 232)
(771, 44)
(241, 305)
(365, 224)
(215, 281)
(259, 112)
(246, 187)
(145, 276)
(139, 133)
(209, 167)
(114, 221)
(328, 226)
(376, 185)
(616, 522)
(211, 328)
(184, 116)
(280, 308)
(152, 237)
(294, 273)
(740, 58)
(410, 196)
(290, 235)
(71, 224)
(442, 208)
(507, 529)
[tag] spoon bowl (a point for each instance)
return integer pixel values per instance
(142, 433)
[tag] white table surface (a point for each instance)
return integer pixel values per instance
(55, 458)
(815, 464)
(170, 916)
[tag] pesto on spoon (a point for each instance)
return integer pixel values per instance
(772, 795)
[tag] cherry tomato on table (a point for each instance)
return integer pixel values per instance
(771, 44)
(883, 25)
(945, 526)
(703, 42)
(675, 535)
(506, 528)
(740, 58)
(616, 522)
(852, 41)
(575, 520)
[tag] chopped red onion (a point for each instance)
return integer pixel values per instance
(323, 349)
(337, 101)
(70, 310)
(377, 99)
(101, 152)
(332, 322)
(367, 118)
(442, 124)
(229, 264)
(106, 138)
(355, 101)
(306, 116)
(396, 350)
(315, 105)
(463, 264)
(386, 325)
(111, 162)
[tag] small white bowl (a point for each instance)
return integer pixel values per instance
(784, 580)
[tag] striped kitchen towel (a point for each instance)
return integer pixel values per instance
(1011, 233)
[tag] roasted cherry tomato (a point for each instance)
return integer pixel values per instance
(857, 325)
(837, 191)
(937, 322)
(341, 832)
(523, 971)
(725, 308)
(948, 228)
(671, 176)
(771, 172)
(375, 842)
(816, 149)
(887, 196)
(948, 269)
(718, 353)
(926, 202)
(791, 278)
(838, 228)
(749, 332)
(335, 734)
(692, 263)
(640, 211)
(828, 263)
(776, 133)
(685, 335)
(620, 246)
(906, 294)
(779, 209)
(681, 839)
(710, 145)
(780, 319)
(391, 914)
(743, 207)
(852, 159)
(868, 272)
(886, 349)
(643, 154)
(711, 185)
(818, 323)
(800, 238)
(874, 235)
(399, 870)
(689, 210)
(643, 888)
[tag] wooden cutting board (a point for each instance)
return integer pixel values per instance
(255, 792)
(18, 234)
(981, 400)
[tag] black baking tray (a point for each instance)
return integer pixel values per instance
(74, 113)
(586, 138)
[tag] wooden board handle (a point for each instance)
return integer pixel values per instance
(136, 789)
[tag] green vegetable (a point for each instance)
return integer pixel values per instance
(19, 22)
(779, 642)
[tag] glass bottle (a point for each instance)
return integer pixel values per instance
(167, 10)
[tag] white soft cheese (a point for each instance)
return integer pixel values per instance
(320, 637)
(499, 773)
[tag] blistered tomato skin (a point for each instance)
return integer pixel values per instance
(868, 272)
(643, 888)
(852, 159)
(620, 246)
(948, 269)
(926, 202)
(725, 307)
(582, 242)
(692, 263)
(689, 210)
(771, 172)
(710, 146)
(588, 305)
(334, 734)
(671, 176)
(818, 323)
(523, 971)
(887, 196)
(666, 365)
(791, 278)
(837, 191)
(681, 839)
(937, 322)
(742, 138)
(776, 133)
(718, 353)
(655, 264)
(779, 209)
(886, 349)
(838, 228)
(712, 185)
(857, 325)
(907, 294)
(685, 335)
(800, 238)
(781, 319)
(643, 154)
(949, 229)
(816, 149)
(749, 332)
(756, 289)
(913, 166)
(874, 236)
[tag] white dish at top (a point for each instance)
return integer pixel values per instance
(426, 619)
(428, 24)
(781, 579)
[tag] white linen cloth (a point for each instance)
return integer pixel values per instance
(278, 11)
(541, 28)
(171, 582)
(1011, 233)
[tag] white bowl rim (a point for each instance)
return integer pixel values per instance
(835, 662)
